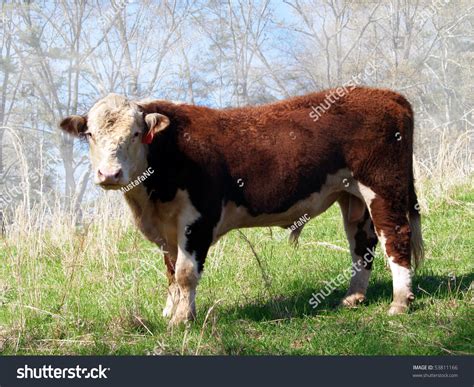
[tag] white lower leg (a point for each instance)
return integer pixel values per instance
(402, 290)
(171, 300)
(187, 278)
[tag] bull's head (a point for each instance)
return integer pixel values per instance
(117, 131)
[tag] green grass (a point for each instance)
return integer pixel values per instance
(49, 302)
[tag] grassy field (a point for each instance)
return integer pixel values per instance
(97, 291)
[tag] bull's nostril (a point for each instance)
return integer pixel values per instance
(109, 177)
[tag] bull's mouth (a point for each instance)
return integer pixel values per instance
(110, 186)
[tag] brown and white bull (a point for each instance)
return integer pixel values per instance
(218, 170)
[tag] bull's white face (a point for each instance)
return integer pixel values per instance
(116, 151)
(115, 129)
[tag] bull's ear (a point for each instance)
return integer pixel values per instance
(155, 123)
(75, 125)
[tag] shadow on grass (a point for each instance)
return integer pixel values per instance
(435, 287)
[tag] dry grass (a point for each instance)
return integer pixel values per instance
(444, 168)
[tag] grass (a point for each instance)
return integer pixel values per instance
(51, 287)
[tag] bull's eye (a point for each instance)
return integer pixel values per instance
(136, 134)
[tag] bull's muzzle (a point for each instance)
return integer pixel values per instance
(109, 177)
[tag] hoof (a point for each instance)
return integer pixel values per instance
(171, 301)
(353, 300)
(397, 309)
(401, 304)
(178, 320)
(168, 311)
(183, 314)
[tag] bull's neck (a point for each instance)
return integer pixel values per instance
(137, 199)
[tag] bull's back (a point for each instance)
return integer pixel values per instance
(274, 155)
(281, 152)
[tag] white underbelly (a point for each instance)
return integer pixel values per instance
(233, 216)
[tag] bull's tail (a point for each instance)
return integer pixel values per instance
(416, 240)
(414, 217)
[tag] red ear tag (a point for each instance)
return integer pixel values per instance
(148, 137)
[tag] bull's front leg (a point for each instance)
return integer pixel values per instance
(187, 278)
(193, 243)
(172, 298)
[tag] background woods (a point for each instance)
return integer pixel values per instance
(57, 58)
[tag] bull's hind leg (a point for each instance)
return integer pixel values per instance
(390, 216)
(362, 241)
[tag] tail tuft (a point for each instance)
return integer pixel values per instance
(294, 236)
